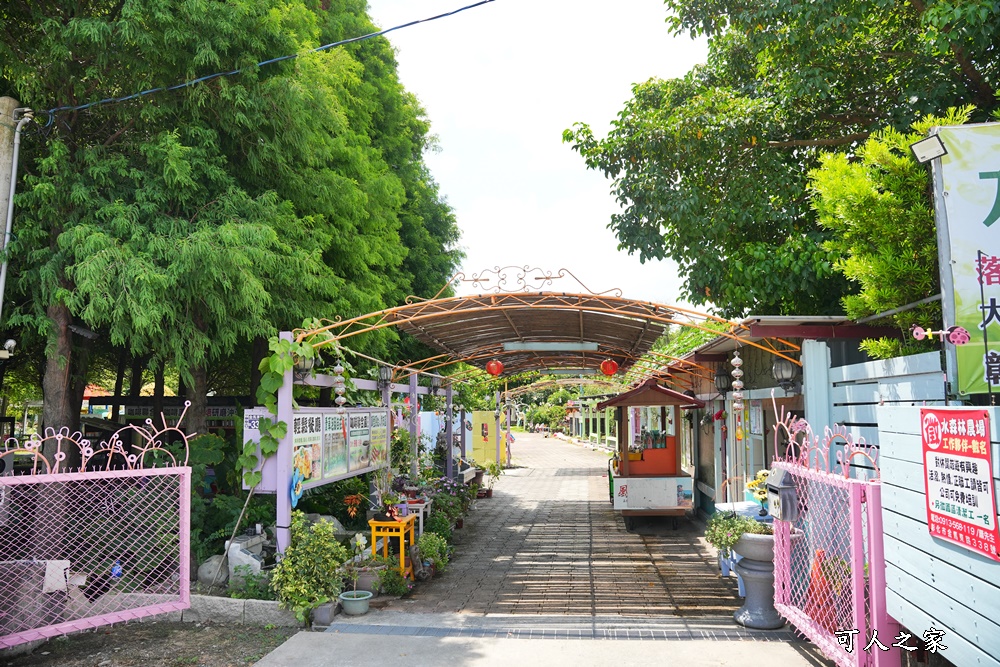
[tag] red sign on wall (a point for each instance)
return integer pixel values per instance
(958, 479)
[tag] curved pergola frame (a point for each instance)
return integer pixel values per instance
(473, 329)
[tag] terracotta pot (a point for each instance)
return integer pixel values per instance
(459, 522)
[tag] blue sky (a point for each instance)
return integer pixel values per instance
(500, 83)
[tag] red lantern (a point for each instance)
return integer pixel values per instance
(494, 368)
(609, 366)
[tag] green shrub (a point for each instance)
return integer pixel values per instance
(434, 548)
(309, 573)
(253, 586)
(438, 524)
(391, 582)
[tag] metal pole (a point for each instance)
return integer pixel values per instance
(414, 419)
(448, 433)
(283, 463)
(15, 150)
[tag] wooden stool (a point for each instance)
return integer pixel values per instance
(394, 529)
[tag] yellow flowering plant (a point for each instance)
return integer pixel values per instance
(758, 487)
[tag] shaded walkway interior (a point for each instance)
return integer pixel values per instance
(549, 543)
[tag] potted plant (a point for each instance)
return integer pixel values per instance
(434, 549)
(494, 470)
(758, 487)
(753, 541)
(355, 602)
(308, 575)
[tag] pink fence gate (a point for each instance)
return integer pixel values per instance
(829, 568)
(107, 544)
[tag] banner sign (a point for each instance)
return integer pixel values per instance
(359, 432)
(958, 479)
(307, 440)
(968, 198)
(334, 445)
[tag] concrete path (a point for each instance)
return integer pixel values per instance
(545, 565)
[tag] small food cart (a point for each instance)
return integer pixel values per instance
(650, 481)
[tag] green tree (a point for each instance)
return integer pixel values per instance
(877, 204)
(186, 224)
(711, 169)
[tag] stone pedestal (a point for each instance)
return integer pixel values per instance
(758, 610)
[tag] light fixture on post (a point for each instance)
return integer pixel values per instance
(784, 372)
(723, 381)
(384, 376)
(303, 368)
(928, 149)
(435, 385)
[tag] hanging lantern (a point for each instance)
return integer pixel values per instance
(494, 368)
(609, 366)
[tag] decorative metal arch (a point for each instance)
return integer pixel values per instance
(472, 329)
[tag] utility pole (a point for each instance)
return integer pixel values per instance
(10, 130)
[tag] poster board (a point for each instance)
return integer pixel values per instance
(958, 479)
(484, 437)
(967, 196)
(327, 446)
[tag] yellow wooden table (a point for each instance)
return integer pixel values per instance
(399, 529)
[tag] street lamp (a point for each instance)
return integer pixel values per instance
(723, 381)
(784, 372)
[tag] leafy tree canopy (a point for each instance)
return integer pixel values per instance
(711, 169)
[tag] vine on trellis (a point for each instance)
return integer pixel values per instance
(284, 354)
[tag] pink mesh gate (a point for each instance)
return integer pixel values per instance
(829, 569)
(83, 549)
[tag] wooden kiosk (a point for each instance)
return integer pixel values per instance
(650, 482)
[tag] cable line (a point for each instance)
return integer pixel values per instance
(208, 77)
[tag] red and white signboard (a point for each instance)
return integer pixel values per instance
(958, 479)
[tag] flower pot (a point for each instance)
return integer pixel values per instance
(459, 522)
(489, 493)
(368, 578)
(481, 494)
(355, 603)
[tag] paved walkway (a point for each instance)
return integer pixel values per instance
(545, 564)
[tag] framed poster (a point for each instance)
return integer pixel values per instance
(307, 443)
(379, 439)
(958, 479)
(334, 445)
(359, 440)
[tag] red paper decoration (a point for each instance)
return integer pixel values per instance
(609, 366)
(494, 368)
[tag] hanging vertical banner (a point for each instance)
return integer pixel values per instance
(334, 445)
(967, 191)
(958, 479)
(359, 434)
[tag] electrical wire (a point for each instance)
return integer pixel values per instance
(208, 77)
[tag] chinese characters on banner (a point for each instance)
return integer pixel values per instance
(969, 236)
(958, 478)
(359, 433)
(307, 438)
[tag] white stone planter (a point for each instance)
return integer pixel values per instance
(757, 571)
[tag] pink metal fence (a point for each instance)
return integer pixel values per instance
(106, 544)
(829, 568)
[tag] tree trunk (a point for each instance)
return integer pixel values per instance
(57, 406)
(158, 395)
(196, 421)
(135, 381)
(80, 365)
(256, 356)
(119, 384)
